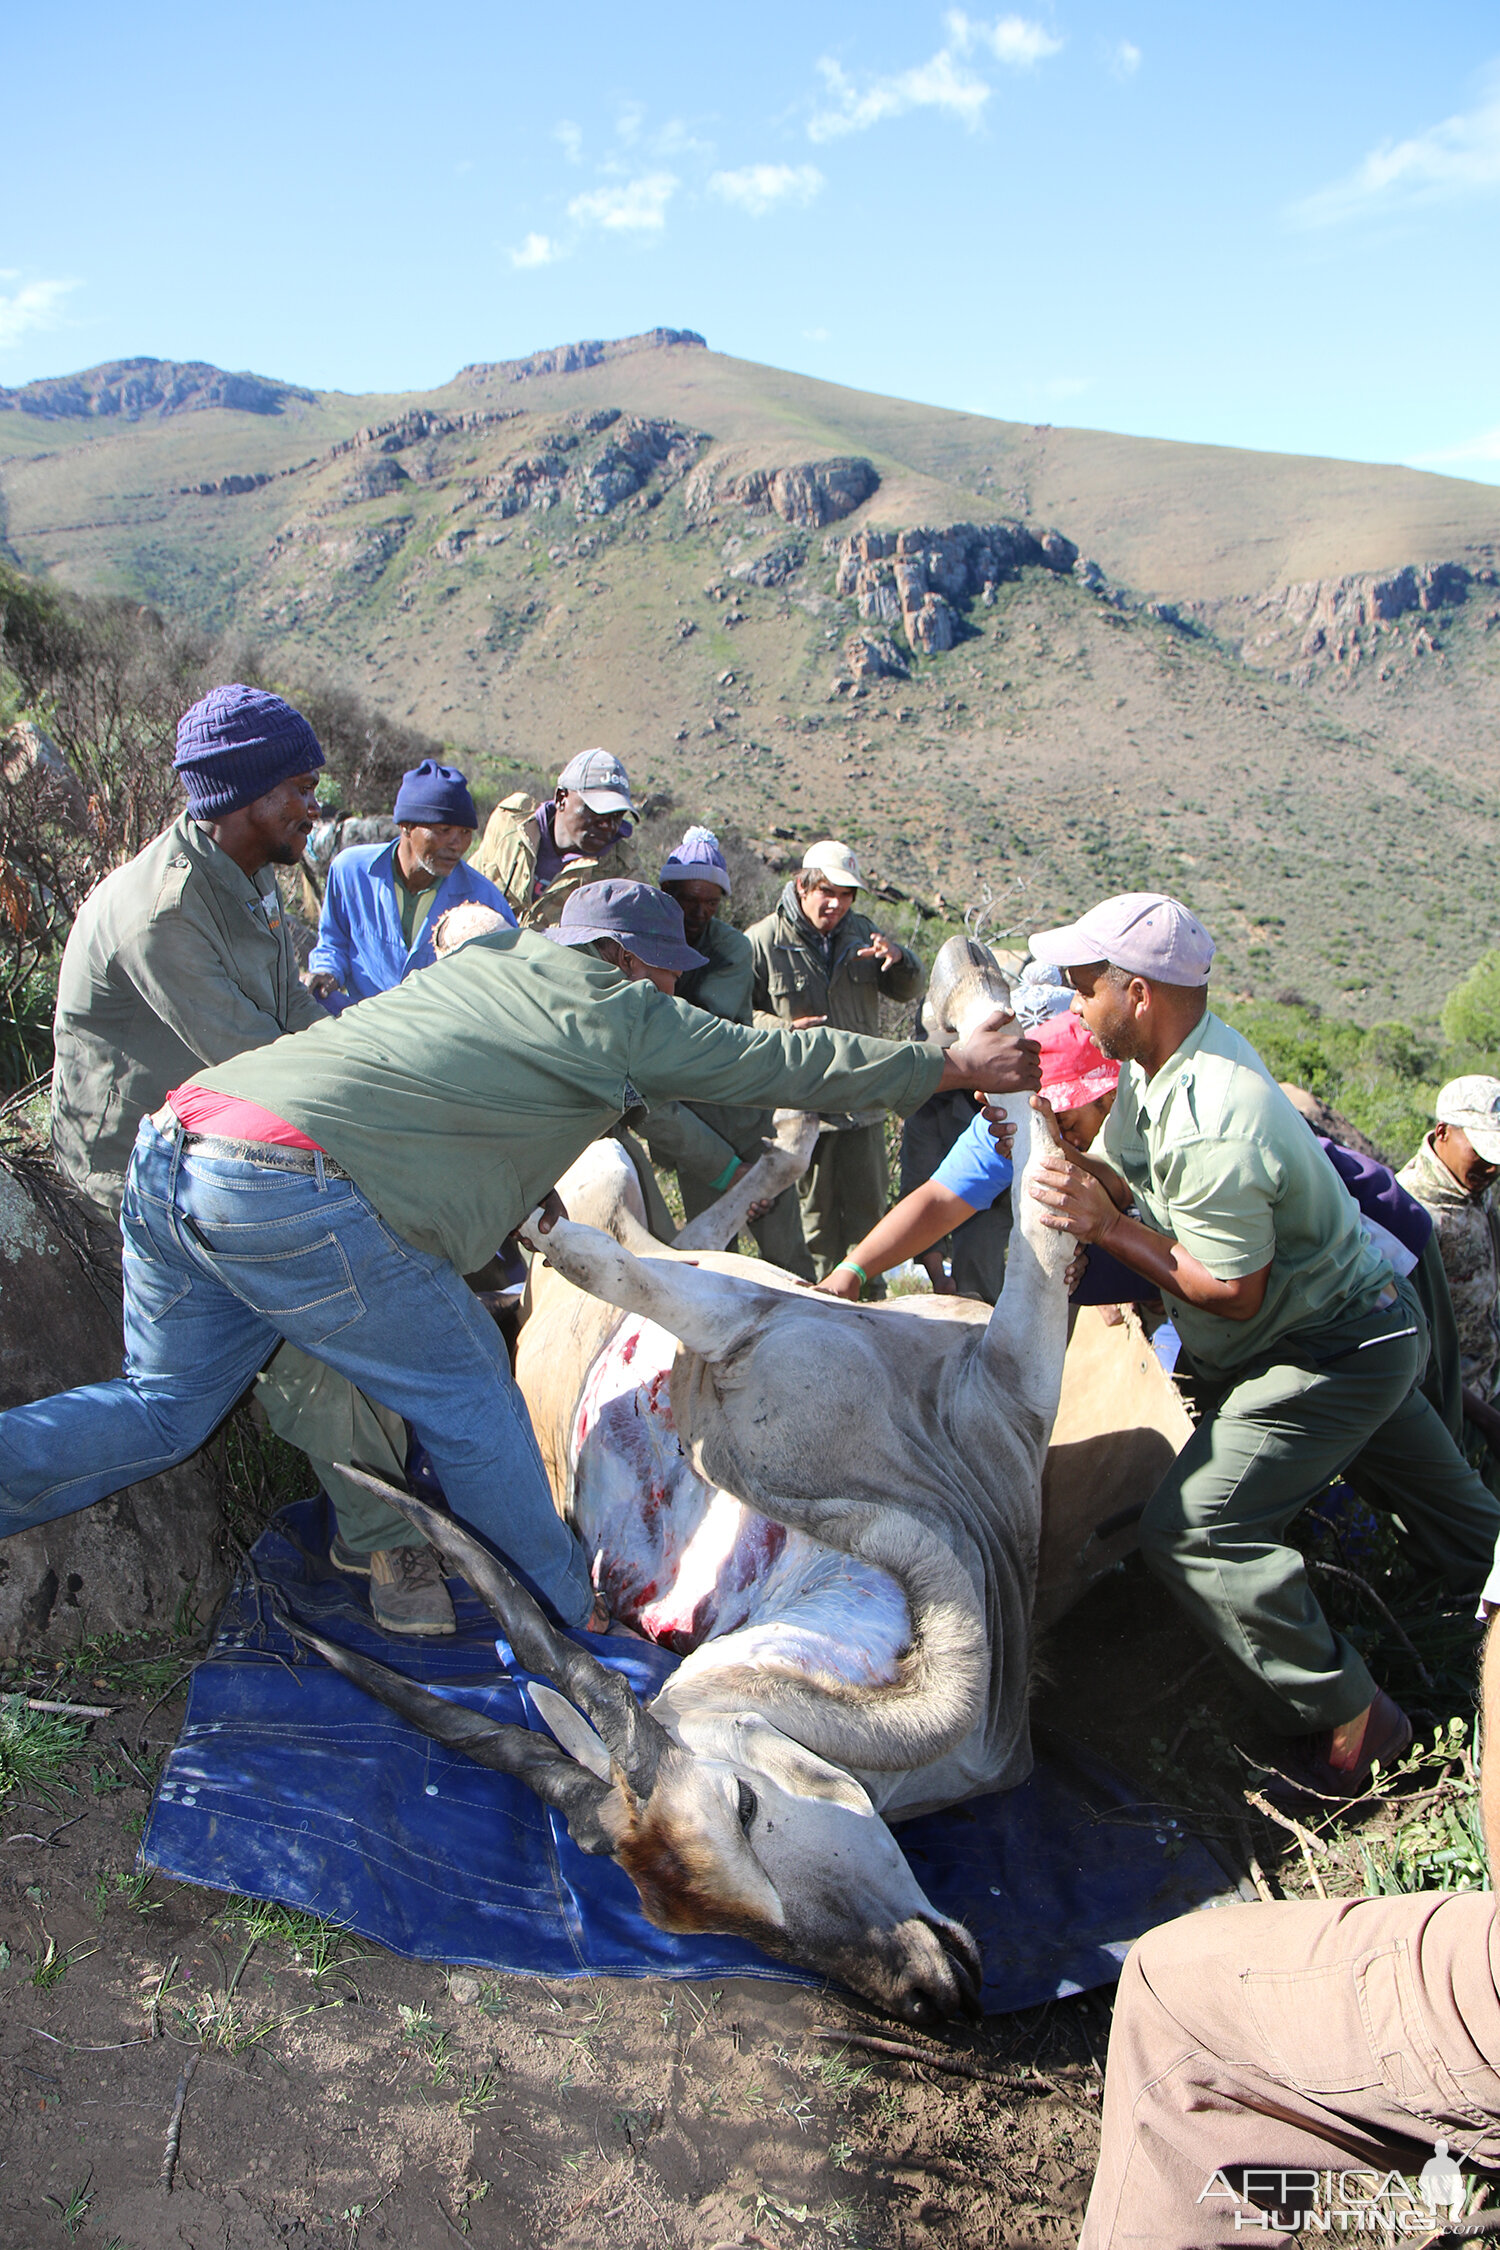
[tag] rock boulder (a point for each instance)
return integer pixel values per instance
(151, 1552)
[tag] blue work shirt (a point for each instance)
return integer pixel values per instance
(973, 1168)
(359, 934)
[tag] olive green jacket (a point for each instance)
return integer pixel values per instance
(704, 1141)
(792, 977)
(507, 854)
(177, 959)
(458, 1099)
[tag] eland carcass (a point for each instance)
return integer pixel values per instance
(832, 1512)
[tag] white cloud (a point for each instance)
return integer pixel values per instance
(36, 304)
(677, 138)
(628, 122)
(536, 250)
(938, 84)
(1460, 157)
(1484, 448)
(640, 207)
(570, 139)
(816, 335)
(1013, 40)
(1124, 58)
(758, 188)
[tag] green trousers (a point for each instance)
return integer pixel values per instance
(843, 1193)
(326, 1418)
(1341, 1403)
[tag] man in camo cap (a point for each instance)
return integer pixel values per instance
(1452, 1174)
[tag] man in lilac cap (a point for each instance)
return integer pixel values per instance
(709, 1143)
(1304, 1351)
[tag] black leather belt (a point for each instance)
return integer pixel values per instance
(278, 1153)
(274, 1153)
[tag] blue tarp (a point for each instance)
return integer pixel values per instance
(289, 1783)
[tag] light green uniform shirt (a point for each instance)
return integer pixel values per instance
(1216, 1157)
(458, 1099)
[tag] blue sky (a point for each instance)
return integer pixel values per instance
(1274, 227)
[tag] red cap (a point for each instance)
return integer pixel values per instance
(1075, 1069)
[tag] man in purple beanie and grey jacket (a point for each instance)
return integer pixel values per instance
(181, 959)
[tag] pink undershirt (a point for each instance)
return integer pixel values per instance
(198, 1110)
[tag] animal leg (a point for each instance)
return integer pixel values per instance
(785, 1160)
(712, 1313)
(1027, 1335)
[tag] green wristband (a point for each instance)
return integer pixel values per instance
(847, 1265)
(718, 1186)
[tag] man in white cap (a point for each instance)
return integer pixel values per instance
(538, 855)
(1304, 1352)
(817, 961)
(1451, 1176)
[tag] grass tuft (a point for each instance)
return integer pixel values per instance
(35, 1748)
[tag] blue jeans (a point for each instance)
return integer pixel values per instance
(224, 1257)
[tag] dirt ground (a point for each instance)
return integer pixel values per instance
(341, 2096)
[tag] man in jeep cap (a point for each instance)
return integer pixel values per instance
(1451, 1175)
(817, 961)
(538, 855)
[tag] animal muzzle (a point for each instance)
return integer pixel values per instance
(926, 1970)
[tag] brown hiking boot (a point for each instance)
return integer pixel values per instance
(345, 1559)
(407, 1594)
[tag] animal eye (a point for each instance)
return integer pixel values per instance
(747, 1805)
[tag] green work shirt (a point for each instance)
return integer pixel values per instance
(1216, 1157)
(415, 906)
(458, 1099)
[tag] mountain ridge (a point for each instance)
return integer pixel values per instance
(793, 606)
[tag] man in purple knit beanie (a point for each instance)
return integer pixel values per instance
(183, 958)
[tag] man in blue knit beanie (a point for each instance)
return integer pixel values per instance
(183, 958)
(384, 901)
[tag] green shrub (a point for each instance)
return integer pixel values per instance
(1471, 1012)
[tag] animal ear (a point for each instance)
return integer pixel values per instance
(755, 1744)
(571, 1729)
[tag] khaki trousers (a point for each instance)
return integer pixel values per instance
(842, 1194)
(1336, 2042)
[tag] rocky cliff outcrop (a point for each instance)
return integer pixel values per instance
(1338, 620)
(566, 470)
(774, 567)
(569, 359)
(131, 388)
(920, 579)
(874, 656)
(809, 494)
